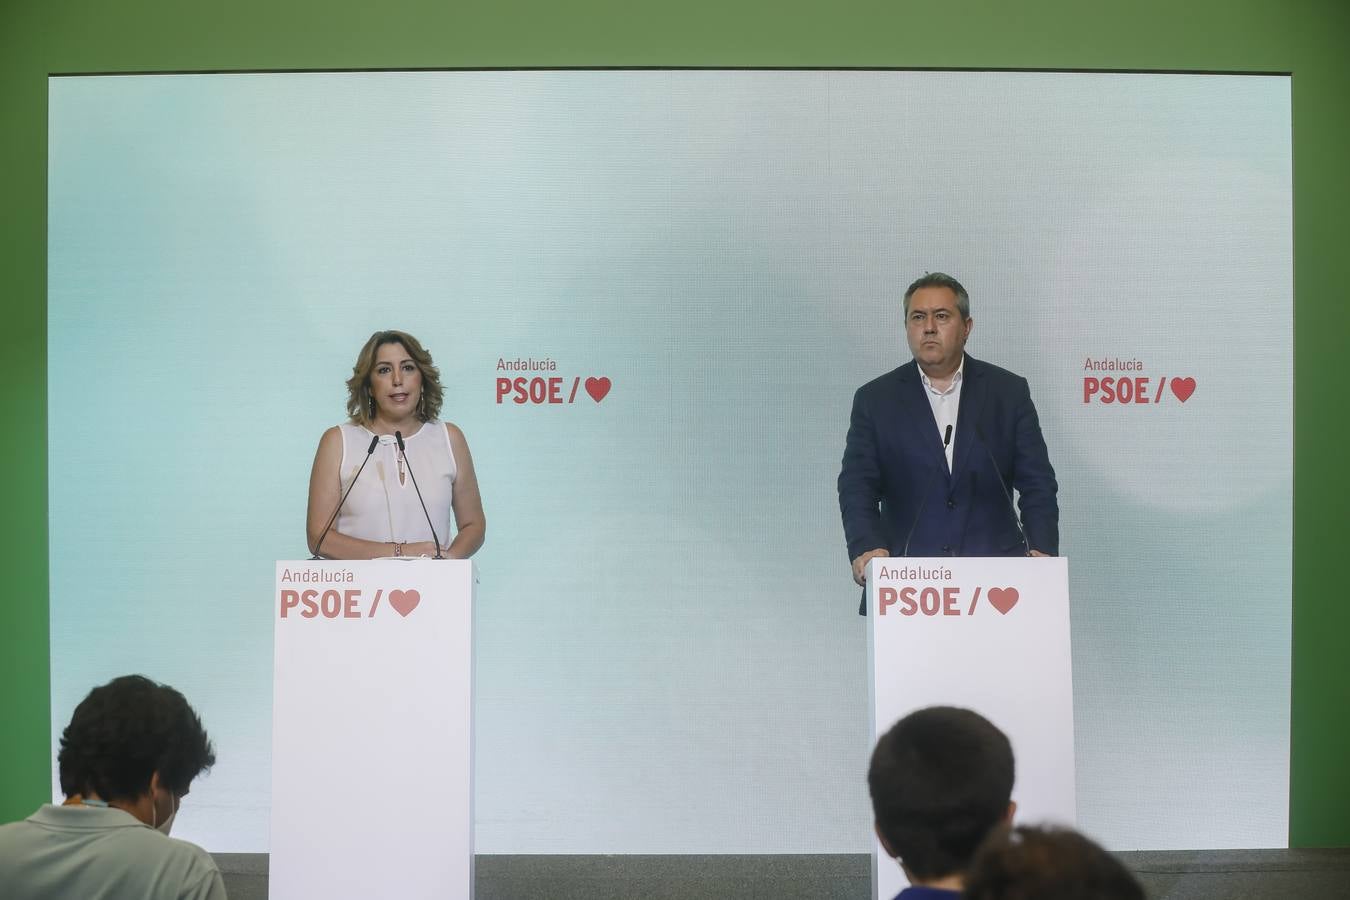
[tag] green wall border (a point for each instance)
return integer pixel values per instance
(1305, 37)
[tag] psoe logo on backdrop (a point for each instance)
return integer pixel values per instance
(947, 600)
(544, 389)
(347, 603)
(1122, 382)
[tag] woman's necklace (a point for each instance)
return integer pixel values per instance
(402, 476)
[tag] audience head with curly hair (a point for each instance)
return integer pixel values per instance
(127, 733)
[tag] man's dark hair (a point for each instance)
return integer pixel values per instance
(941, 279)
(941, 780)
(127, 730)
(1029, 863)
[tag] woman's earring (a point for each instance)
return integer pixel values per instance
(371, 397)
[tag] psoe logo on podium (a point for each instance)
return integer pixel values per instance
(919, 591)
(342, 602)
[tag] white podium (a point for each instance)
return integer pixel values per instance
(988, 634)
(372, 730)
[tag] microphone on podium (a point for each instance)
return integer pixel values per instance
(398, 436)
(333, 518)
(918, 514)
(1007, 494)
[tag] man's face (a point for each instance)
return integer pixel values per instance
(936, 332)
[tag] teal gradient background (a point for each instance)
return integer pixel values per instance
(665, 577)
(1305, 38)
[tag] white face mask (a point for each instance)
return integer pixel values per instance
(167, 824)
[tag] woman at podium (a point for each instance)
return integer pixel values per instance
(386, 482)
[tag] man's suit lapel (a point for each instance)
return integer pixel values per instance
(917, 410)
(968, 414)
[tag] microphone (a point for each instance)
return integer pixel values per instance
(922, 503)
(1017, 520)
(333, 518)
(947, 438)
(398, 436)
(862, 603)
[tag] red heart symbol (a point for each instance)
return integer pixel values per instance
(1003, 599)
(598, 388)
(1183, 388)
(404, 602)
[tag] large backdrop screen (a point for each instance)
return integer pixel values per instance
(669, 657)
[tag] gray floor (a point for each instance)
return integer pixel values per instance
(1174, 875)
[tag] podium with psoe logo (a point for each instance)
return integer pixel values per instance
(372, 730)
(988, 634)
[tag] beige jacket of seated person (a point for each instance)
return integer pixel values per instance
(98, 853)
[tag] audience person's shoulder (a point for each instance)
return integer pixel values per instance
(191, 867)
(1047, 863)
(203, 881)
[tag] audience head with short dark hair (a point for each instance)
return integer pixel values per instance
(941, 780)
(1044, 863)
(124, 732)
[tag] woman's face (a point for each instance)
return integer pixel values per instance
(395, 382)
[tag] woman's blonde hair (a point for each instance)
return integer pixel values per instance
(360, 402)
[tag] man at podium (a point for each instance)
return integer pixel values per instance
(936, 447)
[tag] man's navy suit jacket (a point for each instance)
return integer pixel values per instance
(894, 476)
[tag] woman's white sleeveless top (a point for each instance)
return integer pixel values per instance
(380, 507)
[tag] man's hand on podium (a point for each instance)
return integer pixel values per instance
(860, 564)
